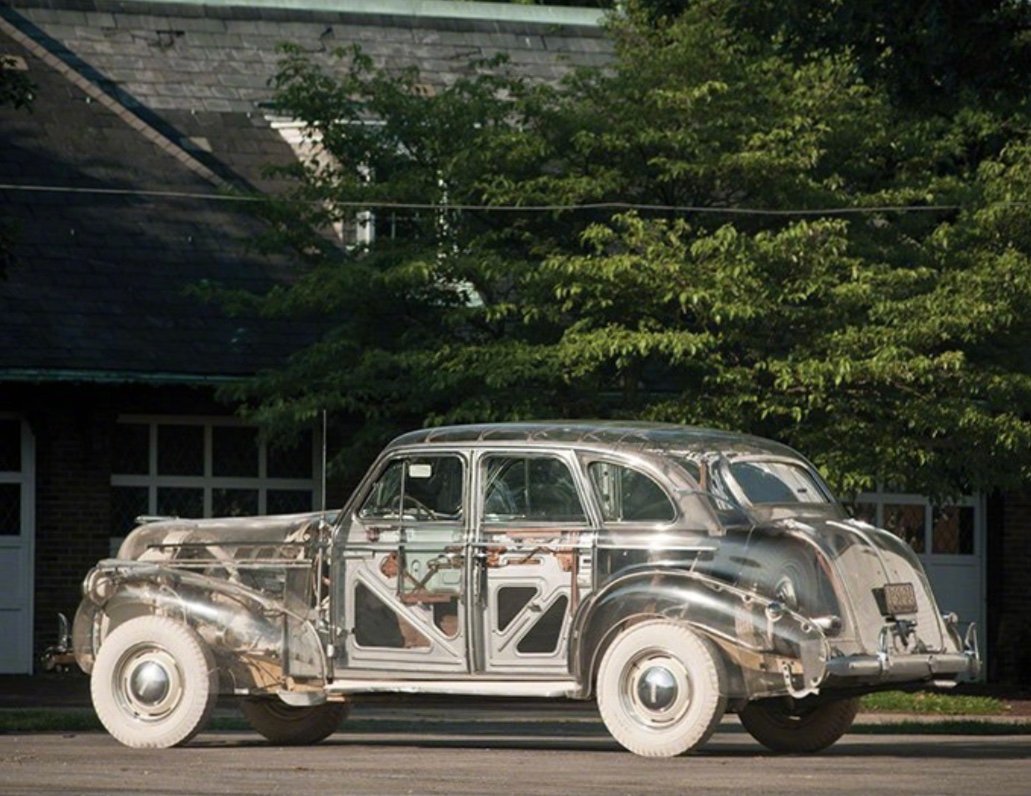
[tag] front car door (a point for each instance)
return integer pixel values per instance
(400, 570)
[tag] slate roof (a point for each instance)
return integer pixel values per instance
(172, 97)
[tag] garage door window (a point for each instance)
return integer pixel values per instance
(199, 468)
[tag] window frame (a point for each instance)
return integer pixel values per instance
(152, 481)
(879, 499)
(583, 493)
(405, 458)
(588, 461)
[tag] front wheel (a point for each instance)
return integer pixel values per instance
(289, 725)
(154, 683)
(661, 689)
(802, 727)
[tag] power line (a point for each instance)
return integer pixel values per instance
(546, 208)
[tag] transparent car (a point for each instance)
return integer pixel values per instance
(672, 574)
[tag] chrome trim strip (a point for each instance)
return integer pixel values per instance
(471, 687)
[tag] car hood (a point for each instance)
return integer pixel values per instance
(175, 538)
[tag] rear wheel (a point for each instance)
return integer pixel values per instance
(660, 689)
(154, 683)
(801, 727)
(290, 725)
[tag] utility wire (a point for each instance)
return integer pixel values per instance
(548, 208)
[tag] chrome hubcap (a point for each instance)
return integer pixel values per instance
(657, 688)
(148, 683)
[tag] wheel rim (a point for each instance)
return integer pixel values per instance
(147, 683)
(655, 689)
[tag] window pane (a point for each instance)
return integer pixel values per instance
(431, 486)
(10, 509)
(906, 522)
(10, 445)
(234, 451)
(530, 488)
(953, 531)
(127, 503)
(385, 497)
(234, 502)
(627, 495)
(288, 501)
(292, 462)
(180, 450)
(776, 482)
(131, 449)
(180, 502)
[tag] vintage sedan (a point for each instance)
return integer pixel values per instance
(671, 573)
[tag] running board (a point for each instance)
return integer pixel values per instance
(508, 688)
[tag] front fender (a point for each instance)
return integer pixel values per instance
(257, 642)
(771, 650)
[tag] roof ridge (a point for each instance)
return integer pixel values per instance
(472, 10)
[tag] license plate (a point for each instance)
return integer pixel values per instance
(899, 598)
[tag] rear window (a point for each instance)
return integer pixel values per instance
(776, 482)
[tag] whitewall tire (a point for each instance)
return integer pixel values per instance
(154, 683)
(661, 689)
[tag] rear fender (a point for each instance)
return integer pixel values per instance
(771, 650)
(258, 644)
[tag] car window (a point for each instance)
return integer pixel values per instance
(429, 488)
(776, 482)
(536, 488)
(627, 495)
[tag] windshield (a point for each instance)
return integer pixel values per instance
(776, 482)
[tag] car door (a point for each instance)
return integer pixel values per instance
(400, 570)
(533, 559)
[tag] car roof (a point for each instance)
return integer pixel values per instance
(663, 438)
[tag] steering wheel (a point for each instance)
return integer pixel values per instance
(415, 507)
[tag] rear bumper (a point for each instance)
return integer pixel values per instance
(885, 667)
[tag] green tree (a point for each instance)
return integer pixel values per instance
(688, 268)
(15, 87)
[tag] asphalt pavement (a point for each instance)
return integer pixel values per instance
(70, 690)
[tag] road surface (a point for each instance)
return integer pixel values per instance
(526, 757)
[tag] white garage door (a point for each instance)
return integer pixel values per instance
(17, 526)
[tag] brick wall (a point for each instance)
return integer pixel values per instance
(1012, 593)
(73, 426)
(73, 457)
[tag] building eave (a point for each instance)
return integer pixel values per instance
(74, 376)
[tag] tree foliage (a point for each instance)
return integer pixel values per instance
(731, 226)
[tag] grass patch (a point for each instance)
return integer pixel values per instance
(943, 727)
(937, 704)
(64, 720)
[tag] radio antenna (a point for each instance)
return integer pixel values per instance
(324, 426)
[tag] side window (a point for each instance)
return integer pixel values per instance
(533, 488)
(627, 495)
(427, 488)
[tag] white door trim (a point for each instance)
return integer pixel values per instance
(25, 544)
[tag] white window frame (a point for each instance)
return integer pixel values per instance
(880, 499)
(209, 482)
